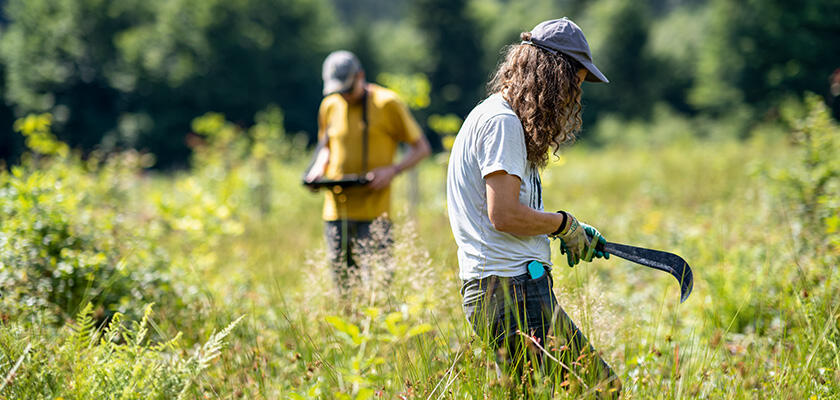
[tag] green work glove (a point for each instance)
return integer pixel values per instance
(595, 238)
(573, 241)
(579, 242)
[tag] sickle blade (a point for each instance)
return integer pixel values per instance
(661, 260)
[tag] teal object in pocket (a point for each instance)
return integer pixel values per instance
(536, 269)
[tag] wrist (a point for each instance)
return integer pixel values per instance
(562, 228)
(571, 226)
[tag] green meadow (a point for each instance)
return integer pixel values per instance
(119, 283)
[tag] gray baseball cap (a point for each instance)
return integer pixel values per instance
(338, 71)
(563, 35)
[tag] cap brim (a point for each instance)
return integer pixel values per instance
(594, 74)
(336, 86)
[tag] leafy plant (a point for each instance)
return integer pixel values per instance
(813, 186)
(116, 361)
(66, 239)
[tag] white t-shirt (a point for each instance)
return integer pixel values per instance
(491, 139)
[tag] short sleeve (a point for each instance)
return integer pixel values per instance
(501, 146)
(404, 128)
(323, 117)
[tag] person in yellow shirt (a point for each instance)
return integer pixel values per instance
(360, 126)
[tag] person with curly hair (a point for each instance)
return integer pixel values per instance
(495, 205)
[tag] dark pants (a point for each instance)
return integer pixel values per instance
(500, 308)
(356, 244)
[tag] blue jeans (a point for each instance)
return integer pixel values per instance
(498, 309)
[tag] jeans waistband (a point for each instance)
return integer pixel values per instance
(472, 290)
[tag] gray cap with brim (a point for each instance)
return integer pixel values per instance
(563, 35)
(339, 70)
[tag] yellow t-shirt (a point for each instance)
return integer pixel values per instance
(389, 123)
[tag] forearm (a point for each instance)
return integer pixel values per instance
(417, 151)
(526, 221)
(319, 166)
(508, 215)
(381, 177)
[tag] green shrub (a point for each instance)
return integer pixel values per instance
(812, 187)
(810, 190)
(67, 237)
(114, 362)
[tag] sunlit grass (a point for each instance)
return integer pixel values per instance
(746, 331)
(762, 321)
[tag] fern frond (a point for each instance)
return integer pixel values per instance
(214, 345)
(143, 328)
(206, 354)
(113, 330)
(171, 344)
(84, 329)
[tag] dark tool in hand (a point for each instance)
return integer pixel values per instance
(344, 182)
(661, 260)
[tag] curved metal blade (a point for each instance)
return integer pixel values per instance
(661, 260)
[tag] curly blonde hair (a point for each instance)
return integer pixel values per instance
(544, 91)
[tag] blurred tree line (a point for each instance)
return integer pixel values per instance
(134, 73)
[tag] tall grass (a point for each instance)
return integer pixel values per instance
(246, 239)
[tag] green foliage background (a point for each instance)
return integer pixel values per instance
(133, 74)
(706, 143)
(233, 243)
